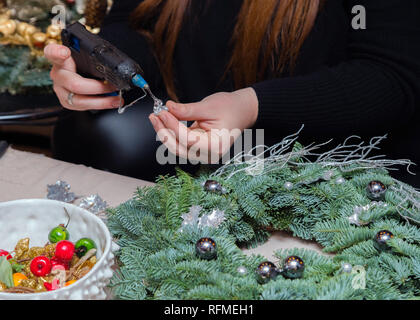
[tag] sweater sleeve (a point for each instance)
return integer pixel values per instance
(376, 89)
(116, 29)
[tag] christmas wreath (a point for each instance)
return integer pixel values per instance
(181, 238)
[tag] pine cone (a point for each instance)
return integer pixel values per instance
(95, 12)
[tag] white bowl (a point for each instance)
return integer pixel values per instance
(34, 219)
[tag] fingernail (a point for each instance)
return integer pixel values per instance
(63, 53)
(153, 120)
(162, 116)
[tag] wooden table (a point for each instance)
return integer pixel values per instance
(25, 175)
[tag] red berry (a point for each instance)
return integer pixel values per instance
(48, 286)
(64, 250)
(40, 266)
(58, 262)
(4, 253)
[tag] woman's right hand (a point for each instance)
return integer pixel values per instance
(85, 91)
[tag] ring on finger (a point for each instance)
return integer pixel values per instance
(70, 98)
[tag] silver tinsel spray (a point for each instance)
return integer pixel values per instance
(213, 220)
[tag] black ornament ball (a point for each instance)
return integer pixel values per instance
(293, 267)
(206, 248)
(376, 191)
(266, 271)
(381, 240)
(213, 186)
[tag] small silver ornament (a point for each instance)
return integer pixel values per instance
(288, 186)
(158, 107)
(192, 216)
(328, 175)
(242, 270)
(60, 191)
(340, 180)
(93, 203)
(346, 268)
(355, 217)
(358, 210)
(213, 220)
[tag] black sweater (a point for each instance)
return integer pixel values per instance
(346, 82)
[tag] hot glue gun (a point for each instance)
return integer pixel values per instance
(99, 59)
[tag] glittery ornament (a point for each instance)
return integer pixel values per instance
(54, 32)
(94, 204)
(192, 216)
(8, 27)
(39, 39)
(29, 283)
(21, 249)
(358, 210)
(266, 271)
(36, 251)
(293, 267)
(158, 106)
(49, 250)
(354, 218)
(206, 249)
(376, 190)
(381, 240)
(213, 220)
(60, 191)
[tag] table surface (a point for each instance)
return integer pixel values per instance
(25, 175)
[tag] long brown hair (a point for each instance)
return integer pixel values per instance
(268, 34)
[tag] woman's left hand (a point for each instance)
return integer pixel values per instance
(219, 121)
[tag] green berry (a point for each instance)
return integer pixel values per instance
(57, 234)
(84, 245)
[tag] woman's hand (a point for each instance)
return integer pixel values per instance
(67, 81)
(219, 121)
